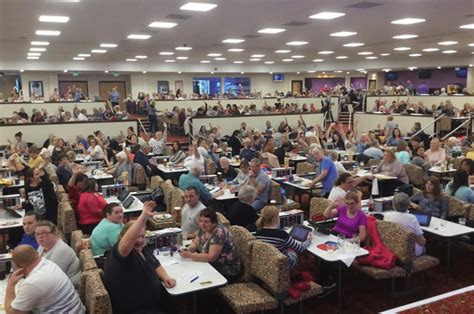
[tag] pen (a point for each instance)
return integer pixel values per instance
(194, 279)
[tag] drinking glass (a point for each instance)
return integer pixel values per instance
(341, 241)
(355, 244)
(462, 221)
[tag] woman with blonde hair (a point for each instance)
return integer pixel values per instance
(269, 231)
(17, 165)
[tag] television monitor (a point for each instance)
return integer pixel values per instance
(278, 77)
(461, 72)
(391, 76)
(424, 74)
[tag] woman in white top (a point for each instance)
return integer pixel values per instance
(94, 150)
(344, 183)
(436, 155)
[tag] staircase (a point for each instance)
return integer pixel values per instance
(345, 118)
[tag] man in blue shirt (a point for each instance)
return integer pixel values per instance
(192, 179)
(29, 226)
(114, 96)
(327, 172)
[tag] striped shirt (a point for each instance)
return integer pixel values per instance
(284, 243)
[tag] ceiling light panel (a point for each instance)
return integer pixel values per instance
(219, 59)
(405, 36)
(431, 49)
(47, 33)
(297, 43)
(354, 45)
(141, 57)
(467, 26)
(326, 15)
(282, 51)
(408, 21)
(139, 36)
(447, 43)
(40, 43)
(84, 55)
(34, 54)
(326, 52)
(318, 60)
(343, 34)
(198, 6)
(157, 24)
(108, 45)
(235, 50)
(401, 48)
(214, 54)
(271, 30)
(182, 58)
(98, 51)
(233, 41)
(257, 56)
(38, 49)
(54, 19)
(365, 53)
(131, 60)
(183, 48)
(166, 53)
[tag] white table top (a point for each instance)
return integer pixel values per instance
(19, 185)
(298, 158)
(438, 170)
(303, 184)
(227, 196)
(8, 221)
(172, 169)
(427, 301)
(102, 176)
(345, 152)
(183, 269)
(136, 206)
(378, 176)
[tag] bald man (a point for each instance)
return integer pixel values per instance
(42, 286)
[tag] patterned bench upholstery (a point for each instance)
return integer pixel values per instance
(304, 167)
(88, 265)
(97, 298)
(243, 242)
(274, 194)
(66, 218)
(318, 205)
(155, 182)
(456, 207)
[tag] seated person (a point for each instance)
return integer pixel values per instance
(242, 213)
(402, 152)
(190, 212)
(141, 157)
(74, 186)
(53, 248)
(29, 226)
(228, 172)
(44, 287)
(178, 155)
(242, 177)
(122, 170)
(105, 235)
(248, 152)
(192, 179)
(261, 182)
(436, 155)
(431, 200)
(214, 244)
(374, 152)
(35, 158)
(351, 220)
(467, 165)
(269, 231)
(17, 166)
(195, 157)
(391, 166)
(132, 274)
(90, 207)
(344, 184)
(62, 171)
(418, 159)
(459, 187)
(401, 204)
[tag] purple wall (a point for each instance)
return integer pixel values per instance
(318, 83)
(439, 78)
(359, 82)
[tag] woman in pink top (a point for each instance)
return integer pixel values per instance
(436, 154)
(351, 220)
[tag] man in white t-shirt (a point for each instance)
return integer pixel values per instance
(39, 285)
(401, 203)
(190, 211)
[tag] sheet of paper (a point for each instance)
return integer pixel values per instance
(189, 276)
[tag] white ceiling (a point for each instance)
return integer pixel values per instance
(97, 21)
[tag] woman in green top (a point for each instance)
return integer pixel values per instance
(105, 235)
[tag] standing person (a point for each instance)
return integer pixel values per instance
(133, 276)
(261, 182)
(40, 194)
(327, 172)
(105, 235)
(152, 117)
(90, 207)
(235, 142)
(44, 288)
(158, 143)
(114, 96)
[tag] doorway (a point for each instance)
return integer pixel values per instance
(105, 87)
(296, 87)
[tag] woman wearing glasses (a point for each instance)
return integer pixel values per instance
(54, 249)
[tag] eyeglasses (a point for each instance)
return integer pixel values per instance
(42, 234)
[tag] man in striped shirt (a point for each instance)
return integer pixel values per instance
(39, 285)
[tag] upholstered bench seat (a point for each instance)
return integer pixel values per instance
(247, 297)
(379, 273)
(312, 292)
(424, 262)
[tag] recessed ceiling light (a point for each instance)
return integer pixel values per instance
(47, 33)
(271, 30)
(449, 51)
(326, 15)
(233, 41)
(238, 62)
(39, 43)
(144, 72)
(219, 59)
(408, 21)
(21, 70)
(467, 26)
(32, 58)
(179, 72)
(242, 72)
(269, 62)
(297, 57)
(338, 71)
(439, 68)
(78, 59)
(412, 68)
(108, 45)
(38, 49)
(471, 45)
(106, 71)
(343, 34)
(270, 72)
(212, 72)
(214, 54)
(405, 36)
(353, 45)
(257, 56)
(298, 72)
(360, 70)
(162, 24)
(318, 60)
(198, 6)
(371, 58)
(166, 53)
(255, 59)
(34, 54)
(84, 55)
(325, 52)
(287, 60)
(170, 60)
(183, 48)
(138, 36)
(131, 60)
(54, 19)
(402, 48)
(205, 61)
(235, 49)
(386, 70)
(98, 51)
(341, 57)
(182, 58)
(415, 55)
(447, 43)
(430, 49)
(297, 43)
(65, 71)
(385, 54)
(365, 53)
(348, 72)
(282, 51)
(311, 71)
(141, 57)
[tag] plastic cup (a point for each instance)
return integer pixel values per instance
(462, 221)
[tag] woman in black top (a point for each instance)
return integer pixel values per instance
(58, 151)
(40, 195)
(242, 213)
(235, 143)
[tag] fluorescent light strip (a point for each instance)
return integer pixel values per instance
(447, 43)
(138, 36)
(170, 60)
(78, 59)
(341, 57)
(318, 60)
(365, 53)
(214, 54)
(84, 55)
(431, 49)
(184, 48)
(233, 41)
(354, 45)
(408, 21)
(220, 59)
(205, 61)
(467, 26)
(166, 53)
(282, 51)
(157, 24)
(40, 43)
(326, 15)
(269, 62)
(34, 54)
(238, 62)
(271, 30)
(182, 58)
(402, 48)
(98, 51)
(255, 59)
(297, 43)
(47, 33)
(108, 45)
(297, 57)
(54, 19)
(326, 52)
(131, 60)
(141, 57)
(198, 6)
(235, 50)
(257, 56)
(38, 49)
(405, 36)
(32, 58)
(343, 34)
